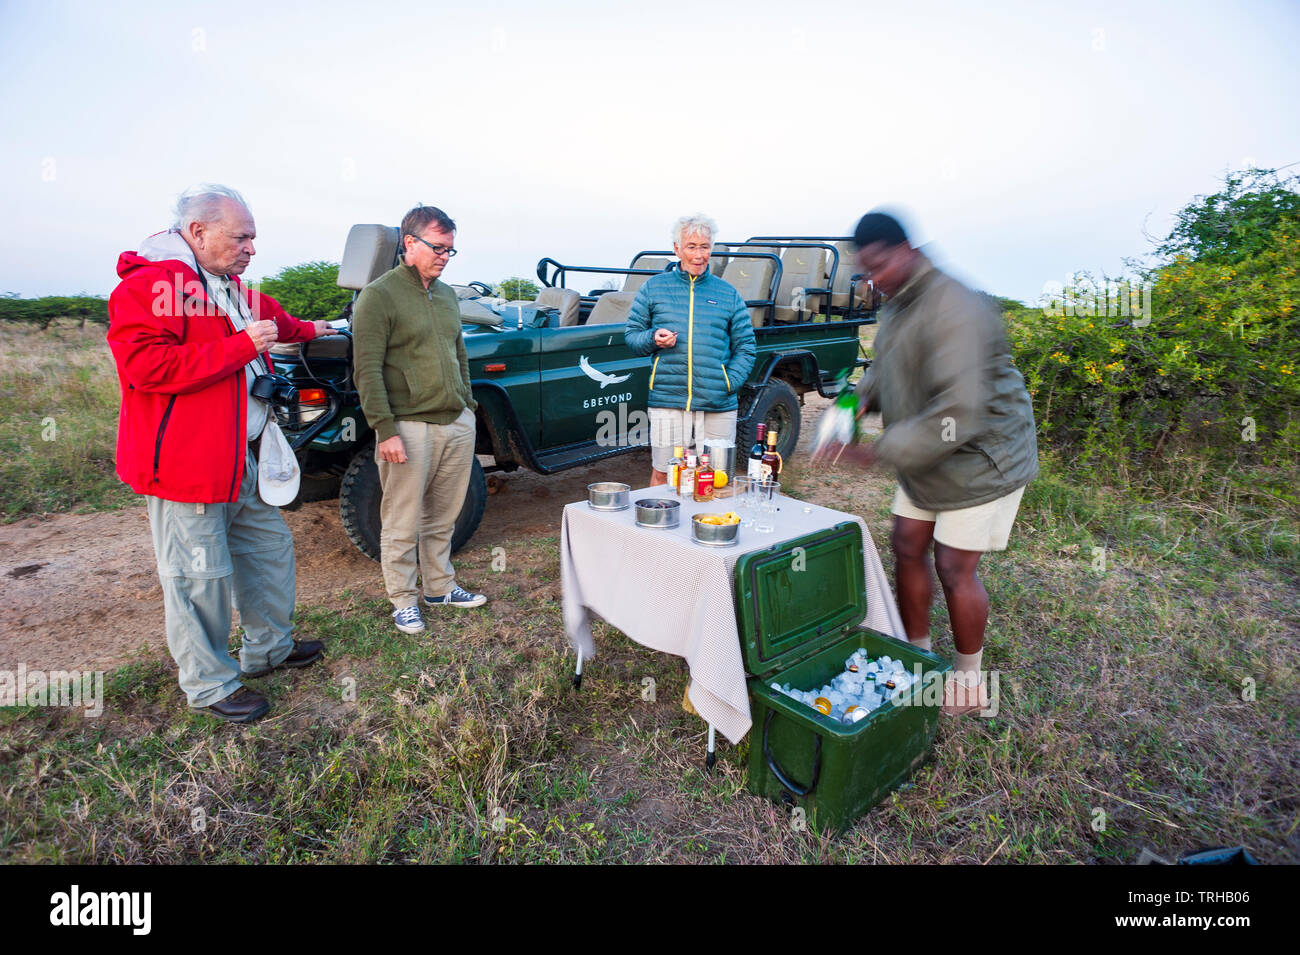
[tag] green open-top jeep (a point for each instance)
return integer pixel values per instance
(555, 384)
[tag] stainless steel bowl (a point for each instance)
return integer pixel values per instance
(714, 535)
(658, 512)
(609, 496)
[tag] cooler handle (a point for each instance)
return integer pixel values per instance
(780, 775)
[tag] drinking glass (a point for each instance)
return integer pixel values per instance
(767, 493)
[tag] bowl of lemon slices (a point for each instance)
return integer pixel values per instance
(716, 530)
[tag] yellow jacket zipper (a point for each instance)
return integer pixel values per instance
(690, 345)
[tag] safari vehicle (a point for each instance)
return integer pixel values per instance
(555, 383)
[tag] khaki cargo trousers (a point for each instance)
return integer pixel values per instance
(211, 556)
(421, 501)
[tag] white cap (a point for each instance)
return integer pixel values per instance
(277, 468)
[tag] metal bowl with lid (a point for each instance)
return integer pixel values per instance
(658, 512)
(609, 496)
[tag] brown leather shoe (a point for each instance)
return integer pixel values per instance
(242, 706)
(303, 654)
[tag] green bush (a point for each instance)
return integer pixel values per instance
(1212, 368)
(308, 291)
(43, 311)
(517, 289)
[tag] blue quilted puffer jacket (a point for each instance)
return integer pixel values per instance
(715, 348)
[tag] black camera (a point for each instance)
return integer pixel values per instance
(275, 390)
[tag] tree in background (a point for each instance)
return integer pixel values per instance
(309, 291)
(44, 310)
(1208, 365)
(516, 289)
(1237, 222)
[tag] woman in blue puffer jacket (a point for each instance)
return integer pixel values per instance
(698, 328)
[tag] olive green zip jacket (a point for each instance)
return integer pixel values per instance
(408, 352)
(959, 425)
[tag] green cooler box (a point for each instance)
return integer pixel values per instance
(798, 605)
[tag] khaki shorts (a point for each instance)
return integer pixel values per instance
(670, 427)
(984, 527)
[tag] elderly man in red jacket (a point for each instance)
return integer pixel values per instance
(189, 339)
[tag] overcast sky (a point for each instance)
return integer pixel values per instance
(1022, 141)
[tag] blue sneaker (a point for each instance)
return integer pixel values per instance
(408, 620)
(457, 598)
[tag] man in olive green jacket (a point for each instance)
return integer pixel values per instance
(412, 374)
(959, 430)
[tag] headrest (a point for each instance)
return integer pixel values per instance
(371, 251)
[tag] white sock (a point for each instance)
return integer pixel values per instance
(966, 667)
(922, 644)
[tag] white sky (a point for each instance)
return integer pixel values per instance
(1023, 141)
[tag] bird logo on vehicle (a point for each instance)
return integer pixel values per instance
(599, 376)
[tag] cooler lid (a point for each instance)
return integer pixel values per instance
(798, 596)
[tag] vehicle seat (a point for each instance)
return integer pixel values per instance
(752, 279)
(633, 282)
(611, 308)
(565, 299)
(371, 250)
(800, 269)
(844, 275)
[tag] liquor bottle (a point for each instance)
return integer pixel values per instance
(675, 468)
(704, 481)
(686, 477)
(754, 467)
(770, 466)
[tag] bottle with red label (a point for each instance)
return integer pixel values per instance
(704, 480)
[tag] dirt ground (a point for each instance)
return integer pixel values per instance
(81, 590)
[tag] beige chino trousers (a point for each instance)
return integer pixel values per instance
(418, 511)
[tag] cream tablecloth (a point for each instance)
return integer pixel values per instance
(668, 593)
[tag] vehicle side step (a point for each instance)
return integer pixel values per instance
(574, 455)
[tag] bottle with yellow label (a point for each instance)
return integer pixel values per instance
(686, 477)
(675, 468)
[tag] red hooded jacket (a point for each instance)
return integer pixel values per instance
(182, 432)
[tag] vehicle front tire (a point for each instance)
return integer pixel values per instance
(776, 406)
(361, 492)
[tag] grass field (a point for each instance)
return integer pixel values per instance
(1149, 700)
(58, 421)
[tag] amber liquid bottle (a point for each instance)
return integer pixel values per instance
(686, 477)
(704, 481)
(770, 466)
(675, 468)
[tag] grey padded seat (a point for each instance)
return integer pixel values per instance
(844, 276)
(565, 299)
(752, 279)
(611, 308)
(801, 268)
(633, 282)
(371, 250)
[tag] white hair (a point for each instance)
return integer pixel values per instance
(202, 203)
(694, 225)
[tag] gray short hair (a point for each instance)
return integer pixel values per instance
(202, 203)
(691, 225)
